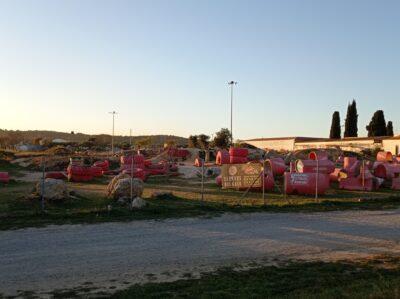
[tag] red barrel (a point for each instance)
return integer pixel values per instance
(4, 177)
(237, 160)
(137, 173)
(79, 173)
(305, 183)
(104, 165)
(96, 171)
(238, 152)
(137, 160)
(222, 157)
(310, 166)
(276, 166)
(58, 175)
(318, 155)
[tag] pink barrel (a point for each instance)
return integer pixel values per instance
(237, 160)
(222, 157)
(396, 184)
(198, 162)
(276, 165)
(218, 180)
(387, 170)
(310, 166)
(318, 155)
(238, 152)
(384, 156)
(4, 177)
(305, 183)
(348, 162)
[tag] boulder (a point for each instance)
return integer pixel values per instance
(53, 189)
(138, 203)
(120, 186)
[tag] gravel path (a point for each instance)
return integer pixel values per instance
(111, 255)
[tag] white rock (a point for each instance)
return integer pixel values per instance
(121, 187)
(138, 203)
(53, 189)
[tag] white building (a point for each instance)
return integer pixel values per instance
(356, 144)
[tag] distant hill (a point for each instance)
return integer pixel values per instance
(30, 136)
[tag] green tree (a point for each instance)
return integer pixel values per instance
(350, 126)
(223, 138)
(377, 125)
(389, 129)
(336, 132)
(203, 141)
(193, 141)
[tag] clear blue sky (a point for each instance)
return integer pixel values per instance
(164, 65)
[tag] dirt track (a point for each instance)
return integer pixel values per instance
(107, 255)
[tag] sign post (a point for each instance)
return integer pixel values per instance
(202, 180)
(263, 182)
(43, 178)
(316, 181)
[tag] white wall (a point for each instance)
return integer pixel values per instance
(276, 144)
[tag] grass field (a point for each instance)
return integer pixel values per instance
(91, 203)
(377, 278)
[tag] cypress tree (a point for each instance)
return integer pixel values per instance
(377, 125)
(389, 129)
(335, 126)
(351, 127)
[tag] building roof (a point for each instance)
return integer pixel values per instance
(374, 139)
(317, 139)
(295, 138)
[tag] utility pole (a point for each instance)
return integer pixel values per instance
(232, 83)
(112, 137)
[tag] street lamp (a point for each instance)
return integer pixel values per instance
(232, 83)
(112, 137)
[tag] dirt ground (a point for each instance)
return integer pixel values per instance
(110, 256)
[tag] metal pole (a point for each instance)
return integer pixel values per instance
(112, 137)
(316, 180)
(263, 183)
(231, 83)
(202, 180)
(231, 113)
(130, 137)
(363, 174)
(131, 176)
(43, 175)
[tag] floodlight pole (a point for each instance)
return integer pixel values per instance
(112, 137)
(232, 83)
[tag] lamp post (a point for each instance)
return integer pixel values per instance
(232, 83)
(112, 137)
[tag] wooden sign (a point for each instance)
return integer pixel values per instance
(239, 176)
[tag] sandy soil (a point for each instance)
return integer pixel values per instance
(113, 255)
